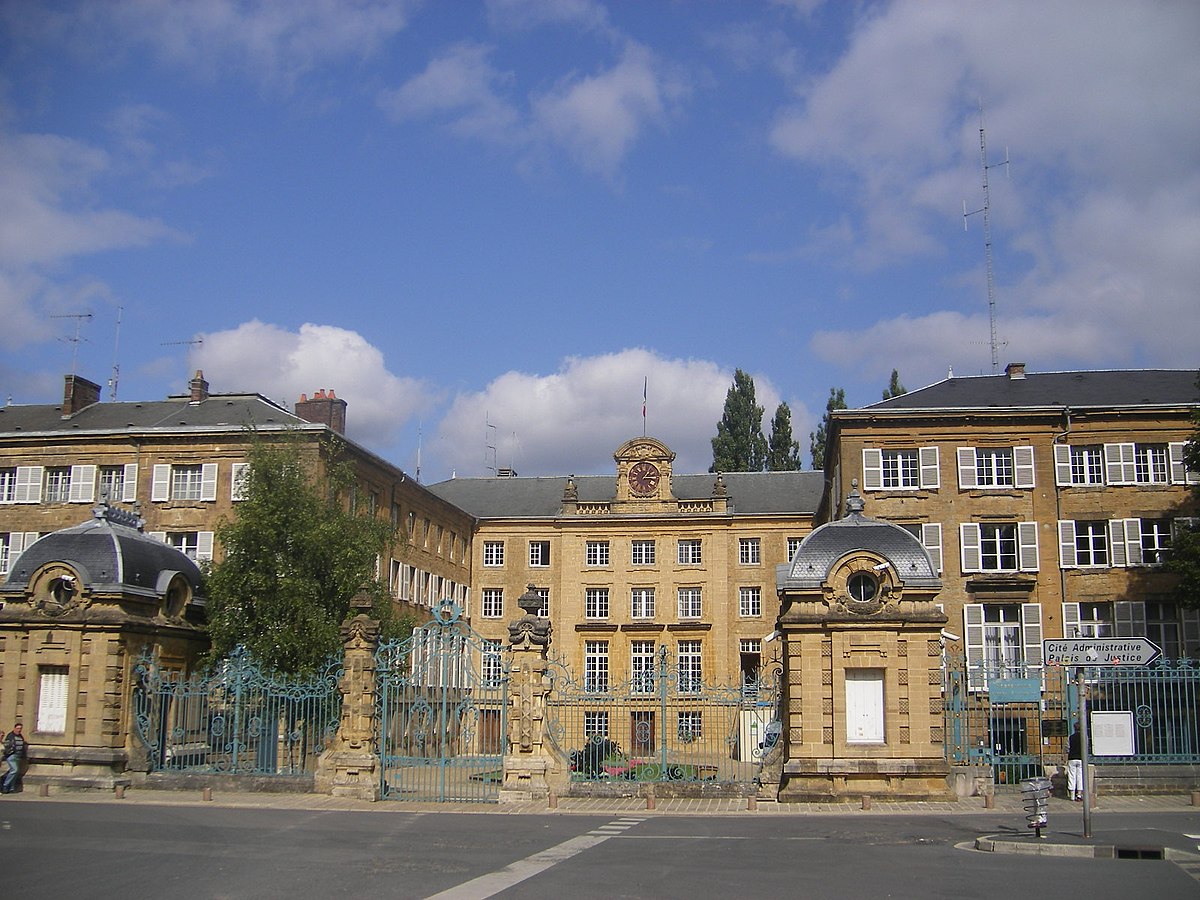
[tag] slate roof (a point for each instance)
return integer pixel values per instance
(111, 553)
(218, 411)
(1040, 390)
(749, 493)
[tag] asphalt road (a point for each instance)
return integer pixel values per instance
(62, 849)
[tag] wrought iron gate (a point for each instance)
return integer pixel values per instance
(235, 719)
(442, 705)
(663, 725)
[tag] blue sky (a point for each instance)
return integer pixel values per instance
(516, 213)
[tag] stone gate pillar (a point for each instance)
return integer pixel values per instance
(350, 766)
(527, 760)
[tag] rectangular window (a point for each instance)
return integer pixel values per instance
(900, 469)
(642, 603)
(689, 603)
(1150, 463)
(190, 482)
(642, 553)
(1096, 620)
(689, 552)
(491, 603)
(995, 467)
(1087, 464)
(186, 482)
(58, 484)
(691, 675)
(1003, 640)
(749, 602)
(793, 544)
(544, 609)
(1162, 627)
(493, 553)
(1091, 543)
(595, 725)
(539, 553)
(595, 603)
(596, 553)
(8, 485)
(1156, 540)
(5, 551)
(749, 551)
(690, 726)
(595, 667)
(52, 700)
(642, 662)
(903, 469)
(197, 545)
(999, 547)
(492, 663)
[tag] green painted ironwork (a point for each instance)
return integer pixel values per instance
(664, 724)
(442, 711)
(1164, 699)
(234, 718)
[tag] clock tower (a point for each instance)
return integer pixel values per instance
(643, 472)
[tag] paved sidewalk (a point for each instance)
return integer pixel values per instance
(1007, 804)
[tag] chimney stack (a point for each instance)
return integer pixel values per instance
(1015, 371)
(78, 393)
(199, 387)
(323, 409)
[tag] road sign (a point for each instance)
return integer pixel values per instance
(1134, 651)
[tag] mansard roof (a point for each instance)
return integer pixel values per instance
(1042, 390)
(749, 493)
(218, 412)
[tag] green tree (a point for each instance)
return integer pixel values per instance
(816, 439)
(295, 554)
(783, 453)
(739, 445)
(1184, 558)
(894, 388)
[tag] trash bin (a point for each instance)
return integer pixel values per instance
(1036, 794)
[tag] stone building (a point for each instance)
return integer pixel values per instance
(638, 560)
(177, 462)
(77, 610)
(1046, 500)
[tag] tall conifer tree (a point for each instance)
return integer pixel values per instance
(783, 452)
(816, 439)
(739, 445)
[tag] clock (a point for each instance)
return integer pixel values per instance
(643, 478)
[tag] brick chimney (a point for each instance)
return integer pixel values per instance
(1015, 371)
(78, 393)
(323, 409)
(198, 387)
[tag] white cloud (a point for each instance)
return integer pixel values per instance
(462, 85)
(1100, 104)
(572, 421)
(527, 14)
(283, 364)
(598, 118)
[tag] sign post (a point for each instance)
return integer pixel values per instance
(1094, 653)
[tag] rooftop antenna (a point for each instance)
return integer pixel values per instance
(78, 317)
(181, 343)
(987, 235)
(489, 444)
(116, 369)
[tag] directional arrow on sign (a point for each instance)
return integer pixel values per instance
(1134, 651)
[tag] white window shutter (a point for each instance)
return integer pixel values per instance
(29, 485)
(1070, 620)
(129, 490)
(1027, 546)
(1062, 464)
(160, 491)
(1118, 463)
(1031, 633)
(973, 632)
(1180, 474)
(237, 481)
(931, 537)
(872, 469)
(159, 536)
(208, 481)
(1116, 543)
(83, 484)
(1133, 542)
(967, 475)
(52, 702)
(1066, 543)
(970, 547)
(1023, 467)
(1130, 616)
(204, 545)
(931, 472)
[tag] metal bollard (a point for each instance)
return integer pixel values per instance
(866, 801)
(552, 800)
(752, 802)
(1195, 798)
(989, 801)
(119, 791)
(206, 794)
(650, 801)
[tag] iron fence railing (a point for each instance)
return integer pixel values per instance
(235, 718)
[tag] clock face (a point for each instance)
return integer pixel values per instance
(643, 478)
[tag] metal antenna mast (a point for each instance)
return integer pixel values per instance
(116, 369)
(74, 341)
(987, 236)
(489, 444)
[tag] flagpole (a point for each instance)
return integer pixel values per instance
(645, 386)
